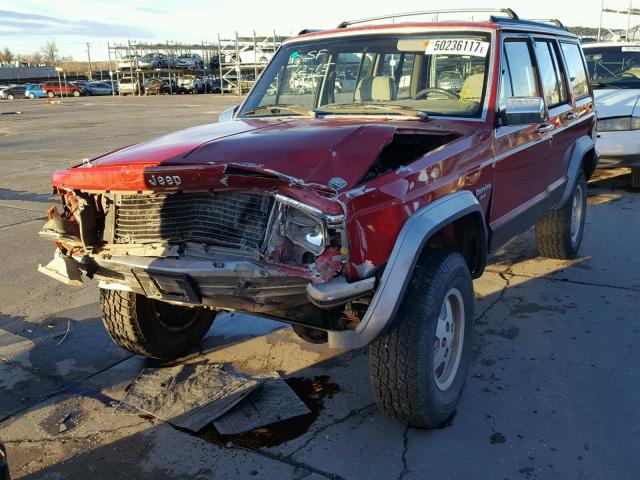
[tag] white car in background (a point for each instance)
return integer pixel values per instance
(614, 69)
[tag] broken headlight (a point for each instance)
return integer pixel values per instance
(305, 230)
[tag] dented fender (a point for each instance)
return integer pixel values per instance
(394, 281)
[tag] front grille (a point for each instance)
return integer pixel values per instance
(230, 219)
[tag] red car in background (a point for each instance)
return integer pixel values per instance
(54, 89)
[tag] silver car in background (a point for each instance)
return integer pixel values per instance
(614, 70)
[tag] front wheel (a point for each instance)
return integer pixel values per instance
(50, 94)
(10, 97)
(419, 365)
(76, 93)
(152, 328)
(560, 234)
(32, 96)
(635, 177)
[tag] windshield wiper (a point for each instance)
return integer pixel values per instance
(278, 108)
(395, 109)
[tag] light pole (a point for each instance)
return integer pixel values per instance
(89, 57)
(629, 18)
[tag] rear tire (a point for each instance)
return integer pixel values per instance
(152, 328)
(418, 366)
(560, 234)
(635, 177)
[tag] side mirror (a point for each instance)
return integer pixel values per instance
(228, 114)
(524, 111)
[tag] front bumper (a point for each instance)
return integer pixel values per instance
(227, 282)
(618, 149)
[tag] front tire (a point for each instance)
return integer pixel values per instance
(418, 366)
(32, 96)
(76, 93)
(50, 94)
(152, 328)
(560, 234)
(635, 177)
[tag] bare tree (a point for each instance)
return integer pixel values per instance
(35, 58)
(50, 52)
(7, 55)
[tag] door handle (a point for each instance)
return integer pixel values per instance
(571, 116)
(545, 127)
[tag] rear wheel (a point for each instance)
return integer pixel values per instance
(635, 177)
(10, 96)
(152, 328)
(32, 96)
(419, 365)
(560, 234)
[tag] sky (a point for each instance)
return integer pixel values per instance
(27, 24)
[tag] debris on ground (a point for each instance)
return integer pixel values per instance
(271, 403)
(193, 396)
(188, 396)
(65, 423)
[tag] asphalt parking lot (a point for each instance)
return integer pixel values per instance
(553, 392)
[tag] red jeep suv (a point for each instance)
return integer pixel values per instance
(354, 193)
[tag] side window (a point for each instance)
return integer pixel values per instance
(577, 73)
(518, 77)
(552, 84)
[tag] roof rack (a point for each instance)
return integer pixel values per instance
(555, 21)
(506, 11)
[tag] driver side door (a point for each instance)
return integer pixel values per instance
(521, 152)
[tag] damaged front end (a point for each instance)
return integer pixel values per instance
(255, 251)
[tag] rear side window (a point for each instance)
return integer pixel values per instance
(552, 84)
(577, 72)
(518, 77)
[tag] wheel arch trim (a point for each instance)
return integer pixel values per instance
(583, 146)
(414, 235)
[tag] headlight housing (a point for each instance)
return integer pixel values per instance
(618, 124)
(305, 230)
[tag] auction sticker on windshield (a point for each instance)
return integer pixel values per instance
(457, 46)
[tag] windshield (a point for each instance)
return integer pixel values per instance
(614, 67)
(434, 74)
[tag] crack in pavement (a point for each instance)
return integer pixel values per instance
(5, 205)
(507, 284)
(405, 446)
(575, 282)
(317, 432)
(58, 391)
(25, 221)
(293, 463)
(60, 438)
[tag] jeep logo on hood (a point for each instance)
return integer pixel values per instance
(164, 180)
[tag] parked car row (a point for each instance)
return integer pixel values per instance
(160, 60)
(247, 55)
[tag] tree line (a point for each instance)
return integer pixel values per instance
(48, 54)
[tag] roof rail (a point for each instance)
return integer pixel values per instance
(507, 11)
(555, 21)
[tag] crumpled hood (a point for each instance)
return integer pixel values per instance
(303, 151)
(616, 102)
